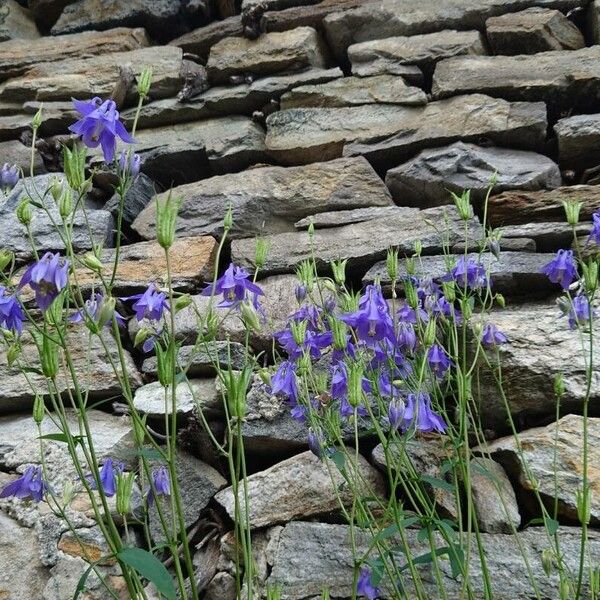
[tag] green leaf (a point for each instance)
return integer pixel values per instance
(62, 437)
(82, 580)
(148, 566)
(437, 483)
(551, 525)
(339, 459)
(457, 560)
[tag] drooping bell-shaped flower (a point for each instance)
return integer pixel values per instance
(561, 269)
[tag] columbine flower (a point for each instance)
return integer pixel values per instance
(313, 342)
(420, 415)
(396, 410)
(11, 313)
(46, 278)
(9, 176)
(561, 269)
(149, 305)
(492, 336)
(161, 483)
(438, 360)
(93, 308)
(468, 273)
(365, 587)
(301, 293)
(407, 338)
(108, 477)
(100, 125)
(284, 381)
(581, 313)
(408, 315)
(595, 232)
(29, 485)
(235, 286)
(129, 164)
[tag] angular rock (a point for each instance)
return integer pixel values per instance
(200, 361)
(517, 244)
(16, 22)
(532, 30)
(299, 487)
(430, 177)
(516, 208)
(363, 244)
(15, 153)
(97, 75)
(95, 374)
(163, 19)
(353, 91)
(270, 199)
(540, 347)
(553, 456)
(138, 196)
(547, 236)
(386, 135)
(12, 126)
(221, 587)
(346, 217)
(306, 558)
(13, 236)
(387, 55)
(270, 53)
(46, 12)
(514, 274)
(17, 56)
(578, 141)
(165, 112)
(494, 498)
(563, 78)
(593, 21)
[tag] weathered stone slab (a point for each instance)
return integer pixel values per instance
(516, 208)
(354, 91)
(346, 217)
(165, 112)
(299, 487)
(549, 236)
(387, 55)
(17, 56)
(513, 274)
(578, 141)
(270, 53)
(593, 21)
(199, 41)
(386, 135)
(85, 77)
(553, 456)
(12, 126)
(532, 30)
(15, 153)
(270, 199)
(563, 78)
(46, 12)
(16, 22)
(430, 177)
(362, 244)
(517, 244)
(138, 196)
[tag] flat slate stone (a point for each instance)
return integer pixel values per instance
(15, 153)
(548, 236)
(532, 30)
(354, 91)
(387, 55)
(430, 177)
(338, 218)
(16, 22)
(363, 244)
(270, 53)
(387, 134)
(270, 199)
(513, 274)
(165, 112)
(563, 78)
(578, 141)
(199, 41)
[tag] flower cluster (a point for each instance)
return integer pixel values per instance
(235, 288)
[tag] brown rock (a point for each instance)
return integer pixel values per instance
(199, 41)
(578, 141)
(16, 22)
(593, 20)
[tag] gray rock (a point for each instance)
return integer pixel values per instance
(346, 217)
(563, 78)
(299, 487)
(494, 498)
(270, 199)
(578, 141)
(547, 236)
(387, 134)
(46, 12)
(200, 361)
(514, 274)
(138, 196)
(532, 30)
(16, 22)
(363, 244)
(387, 55)
(15, 153)
(270, 53)
(429, 178)
(13, 126)
(593, 21)
(508, 244)
(552, 456)
(309, 557)
(354, 91)
(162, 113)
(540, 347)
(221, 587)
(161, 18)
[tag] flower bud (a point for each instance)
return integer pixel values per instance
(265, 376)
(56, 188)
(260, 252)
(144, 82)
(355, 391)
(129, 164)
(301, 293)
(339, 330)
(124, 493)
(559, 385)
(430, 333)
(6, 258)
(547, 561)
(39, 409)
(65, 203)
(166, 220)
(24, 212)
(572, 209)
(228, 219)
(74, 167)
(164, 362)
(107, 311)
(418, 248)
(449, 290)
(92, 262)
(36, 122)
(141, 336)
(411, 294)
(391, 263)
(9, 177)
(463, 205)
(298, 329)
(500, 300)
(182, 302)
(13, 352)
(249, 317)
(339, 271)
(409, 263)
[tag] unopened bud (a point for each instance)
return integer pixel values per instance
(141, 336)
(65, 203)
(250, 316)
(463, 205)
(37, 119)
(572, 209)
(24, 212)
(547, 561)
(144, 82)
(228, 219)
(500, 300)
(124, 493)
(74, 166)
(265, 377)
(559, 385)
(92, 262)
(166, 220)
(39, 409)
(182, 302)
(391, 263)
(339, 271)
(56, 188)
(6, 258)
(301, 293)
(260, 252)
(107, 311)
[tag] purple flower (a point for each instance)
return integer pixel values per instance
(561, 269)
(161, 483)
(301, 293)
(396, 410)
(316, 442)
(492, 336)
(100, 125)
(298, 413)
(149, 305)
(29, 485)
(407, 338)
(408, 315)
(11, 313)
(235, 286)
(92, 308)
(108, 477)
(420, 415)
(438, 360)
(365, 587)
(595, 232)
(9, 176)
(47, 277)
(313, 343)
(129, 164)
(284, 381)
(468, 273)
(581, 313)
(339, 381)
